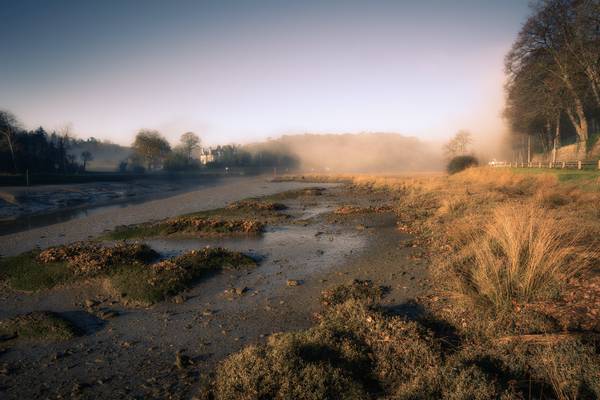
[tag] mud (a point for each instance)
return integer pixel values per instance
(138, 352)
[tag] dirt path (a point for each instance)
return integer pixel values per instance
(231, 189)
(133, 355)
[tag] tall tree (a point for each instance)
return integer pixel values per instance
(152, 147)
(9, 126)
(86, 156)
(189, 141)
(547, 43)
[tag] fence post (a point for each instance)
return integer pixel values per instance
(563, 165)
(579, 164)
(550, 164)
(598, 164)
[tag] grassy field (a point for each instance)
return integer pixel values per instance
(564, 175)
(513, 314)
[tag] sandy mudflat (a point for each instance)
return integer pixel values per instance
(131, 354)
(214, 196)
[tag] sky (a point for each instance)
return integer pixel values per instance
(243, 71)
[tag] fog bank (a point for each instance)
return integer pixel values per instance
(362, 152)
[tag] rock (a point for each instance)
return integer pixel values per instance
(179, 299)
(89, 303)
(240, 290)
(293, 282)
(181, 360)
(320, 252)
(108, 314)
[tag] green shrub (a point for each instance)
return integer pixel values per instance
(461, 163)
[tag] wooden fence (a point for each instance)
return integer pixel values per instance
(578, 164)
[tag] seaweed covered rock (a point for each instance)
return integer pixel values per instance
(89, 258)
(40, 325)
(256, 205)
(195, 224)
(361, 290)
(158, 281)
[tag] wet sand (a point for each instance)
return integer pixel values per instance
(96, 223)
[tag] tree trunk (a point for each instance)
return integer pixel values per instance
(556, 143)
(579, 123)
(579, 120)
(12, 151)
(594, 79)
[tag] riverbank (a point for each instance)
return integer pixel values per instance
(84, 227)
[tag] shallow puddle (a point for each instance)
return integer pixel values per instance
(303, 250)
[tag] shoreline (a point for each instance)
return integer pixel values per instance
(96, 224)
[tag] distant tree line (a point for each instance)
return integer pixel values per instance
(35, 151)
(151, 151)
(39, 151)
(553, 70)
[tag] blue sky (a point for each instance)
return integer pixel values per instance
(246, 70)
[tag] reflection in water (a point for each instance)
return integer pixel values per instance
(37, 221)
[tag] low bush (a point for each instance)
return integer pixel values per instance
(461, 163)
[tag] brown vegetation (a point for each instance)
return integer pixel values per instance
(512, 257)
(90, 258)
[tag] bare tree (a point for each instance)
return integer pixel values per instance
(547, 41)
(458, 145)
(8, 127)
(188, 142)
(86, 156)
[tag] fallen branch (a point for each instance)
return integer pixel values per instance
(547, 338)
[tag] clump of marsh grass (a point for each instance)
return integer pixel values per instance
(359, 290)
(523, 255)
(350, 354)
(153, 283)
(41, 325)
(571, 368)
(354, 352)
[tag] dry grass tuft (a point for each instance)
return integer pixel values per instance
(523, 256)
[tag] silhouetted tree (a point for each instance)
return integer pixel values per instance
(8, 128)
(85, 157)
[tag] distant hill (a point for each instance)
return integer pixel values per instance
(107, 156)
(361, 152)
